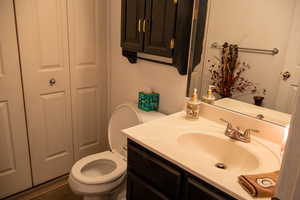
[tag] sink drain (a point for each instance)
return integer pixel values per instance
(220, 165)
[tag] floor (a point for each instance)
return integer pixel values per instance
(55, 190)
(61, 193)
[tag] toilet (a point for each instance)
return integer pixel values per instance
(101, 176)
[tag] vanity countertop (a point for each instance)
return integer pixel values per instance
(161, 137)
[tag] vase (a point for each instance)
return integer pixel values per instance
(258, 100)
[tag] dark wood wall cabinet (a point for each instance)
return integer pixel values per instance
(161, 28)
(151, 177)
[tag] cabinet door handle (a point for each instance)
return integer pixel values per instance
(140, 26)
(144, 25)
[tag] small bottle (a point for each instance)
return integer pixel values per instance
(193, 106)
(209, 98)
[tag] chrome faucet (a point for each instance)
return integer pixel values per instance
(237, 133)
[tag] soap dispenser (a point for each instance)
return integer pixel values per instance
(193, 106)
(209, 98)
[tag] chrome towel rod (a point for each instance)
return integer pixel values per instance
(273, 52)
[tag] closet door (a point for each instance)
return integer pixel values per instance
(43, 36)
(87, 37)
(15, 174)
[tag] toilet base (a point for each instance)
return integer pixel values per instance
(118, 193)
(116, 196)
(98, 197)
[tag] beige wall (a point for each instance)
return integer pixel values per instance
(126, 79)
(255, 24)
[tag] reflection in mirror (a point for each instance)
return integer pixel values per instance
(251, 57)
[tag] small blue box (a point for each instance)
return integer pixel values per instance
(148, 102)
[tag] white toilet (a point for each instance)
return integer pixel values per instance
(101, 176)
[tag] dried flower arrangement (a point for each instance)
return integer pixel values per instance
(226, 74)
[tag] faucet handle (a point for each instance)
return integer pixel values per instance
(253, 130)
(224, 120)
(249, 130)
(228, 123)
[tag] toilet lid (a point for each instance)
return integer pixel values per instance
(125, 116)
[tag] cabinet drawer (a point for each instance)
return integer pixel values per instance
(137, 189)
(153, 170)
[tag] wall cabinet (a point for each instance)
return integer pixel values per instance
(148, 26)
(161, 28)
(15, 172)
(152, 177)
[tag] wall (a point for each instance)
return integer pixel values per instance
(126, 79)
(259, 24)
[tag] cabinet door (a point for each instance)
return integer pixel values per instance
(160, 27)
(195, 190)
(137, 189)
(147, 165)
(42, 30)
(132, 35)
(15, 174)
(87, 40)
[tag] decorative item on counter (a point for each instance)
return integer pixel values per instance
(193, 106)
(259, 185)
(260, 96)
(209, 98)
(148, 100)
(226, 74)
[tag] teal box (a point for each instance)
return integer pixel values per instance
(148, 102)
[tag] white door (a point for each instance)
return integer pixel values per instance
(43, 36)
(87, 37)
(287, 90)
(15, 174)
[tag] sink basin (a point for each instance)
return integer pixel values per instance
(231, 154)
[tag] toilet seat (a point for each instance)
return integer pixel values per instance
(96, 175)
(99, 168)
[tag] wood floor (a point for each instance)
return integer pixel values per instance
(62, 193)
(54, 190)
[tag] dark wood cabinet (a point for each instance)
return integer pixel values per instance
(133, 13)
(153, 170)
(154, 178)
(137, 189)
(197, 189)
(161, 28)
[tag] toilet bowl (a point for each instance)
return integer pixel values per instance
(102, 176)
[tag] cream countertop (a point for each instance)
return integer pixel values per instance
(160, 136)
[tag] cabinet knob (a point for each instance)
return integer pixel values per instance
(52, 82)
(286, 75)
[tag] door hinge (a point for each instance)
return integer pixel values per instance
(175, 1)
(172, 44)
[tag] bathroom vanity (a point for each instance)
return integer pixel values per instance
(175, 158)
(150, 177)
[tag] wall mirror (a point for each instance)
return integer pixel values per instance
(251, 56)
